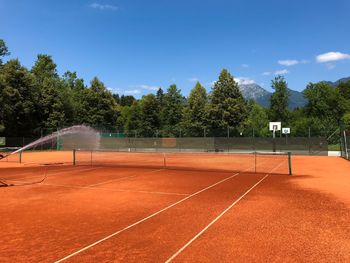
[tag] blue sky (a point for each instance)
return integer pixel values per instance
(134, 46)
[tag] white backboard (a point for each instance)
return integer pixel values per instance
(276, 125)
(285, 130)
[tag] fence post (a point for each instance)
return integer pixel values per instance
(346, 146)
(290, 162)
(74, 156)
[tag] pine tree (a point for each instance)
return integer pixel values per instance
(279, 100)
(194, 114)
(227, 106)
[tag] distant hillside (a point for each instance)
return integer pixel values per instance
(336, 83)
(262, 96)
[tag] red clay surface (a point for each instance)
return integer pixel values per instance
(124, 214)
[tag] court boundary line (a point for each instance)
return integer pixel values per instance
(215, 220)
(115, 190)
(219, 216)
(144, 219)
(125, 177)
(49, 174)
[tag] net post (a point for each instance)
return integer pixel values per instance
(255, 162)
(74, 156)
(20, 157)
(164, 160)
(290, 162)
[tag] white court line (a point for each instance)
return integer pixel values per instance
(144, 219)
(115, 190)
(126, 177)
(43, 170)
(220, 215)
(216, 219)
(148, 217)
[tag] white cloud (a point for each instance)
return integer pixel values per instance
(288, 62)
(281, 72)
(331, 56)
(266, 73)
(132, 92)
(245, 66)
(292, 62)
(244, 81)
(103, 7)
(193, 79)
(148, 87)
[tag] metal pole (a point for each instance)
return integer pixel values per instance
(346, 147)
(290, 162)
(255, 162)
(74, 163)
(164, 160)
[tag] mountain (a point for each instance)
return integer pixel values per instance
(336, 83)
(262, 96)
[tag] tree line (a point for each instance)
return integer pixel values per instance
(38, 100)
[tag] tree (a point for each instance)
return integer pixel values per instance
(51, 104)
(3, 50)
(149, 119)
(194, 114)
(279, 100)
(325, 107)
(100, 106)
(133, 120)
(18, 100)
(257, 120)
(160, 94)
(227, 106)
(72, 96)
(171, 112)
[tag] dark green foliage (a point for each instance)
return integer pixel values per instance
(100, 106)
(40, 100)
(257, 120)
(3, 50)
(227, 107)
(149, 119)
(279, 100)
(18, 99)
(124, 100)
(171, 112)
(194, 114)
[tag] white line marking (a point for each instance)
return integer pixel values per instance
(216, 219)
(42, 170)
(144, 219)
(220, 215)
(126, 177)
(114, 190)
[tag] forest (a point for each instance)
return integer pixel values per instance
(38, 100)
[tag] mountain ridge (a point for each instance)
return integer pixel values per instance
(262, 96)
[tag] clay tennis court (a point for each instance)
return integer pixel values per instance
(195, 209)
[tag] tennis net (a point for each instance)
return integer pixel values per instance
(257, 162)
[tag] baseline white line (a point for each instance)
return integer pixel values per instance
(216, 219)
(126, 177)
(54, 172)
(144, 219)
(220, 215)
(115, 190)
